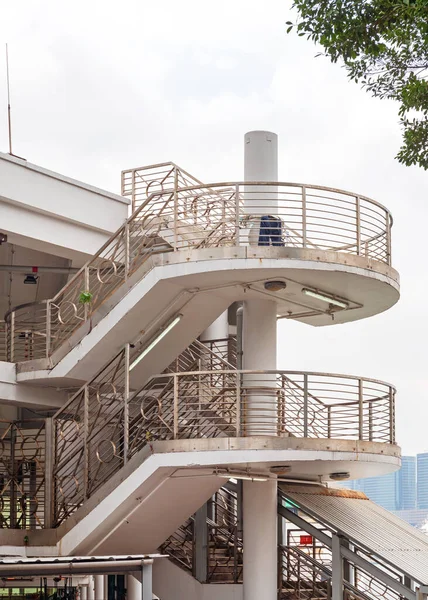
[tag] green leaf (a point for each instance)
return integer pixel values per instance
(85, 297)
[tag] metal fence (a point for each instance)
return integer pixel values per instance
(106, 423)
(22, 474)
(175, 216)
(3, 343)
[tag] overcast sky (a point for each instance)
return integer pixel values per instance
(98, 87)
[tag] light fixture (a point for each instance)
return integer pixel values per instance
(164, 331)
(244, 476)
(340, 476)
(275, 286)
(30, 279)
(325, 298)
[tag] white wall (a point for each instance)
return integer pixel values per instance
(47, 211)
(172, 583)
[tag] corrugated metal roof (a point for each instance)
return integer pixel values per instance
(368, 525)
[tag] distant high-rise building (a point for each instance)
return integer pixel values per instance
(422, 480)
(383, 489)
(406, 484)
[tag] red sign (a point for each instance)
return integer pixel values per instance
(306, 540)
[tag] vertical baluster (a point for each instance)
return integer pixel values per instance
(48, 327)
(49, 467)
(127, 250)
(175, 407)
(237, 211)
(126, 406)
(388, 220)
(175, 208)
(304, 217)
(358, 224)
(360, 410)
(238, 404)
(85, 443)
(392, 415)
(305, 405)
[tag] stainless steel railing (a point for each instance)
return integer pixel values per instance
(22, 474)
(106, 423)
(207, 216)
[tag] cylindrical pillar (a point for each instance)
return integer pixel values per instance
(260, 401)
(91, 590)
(260, 404)
(218, 330)
(133, 587)
(83, 592)
(260, 540)
(261, 164)
(99, 587)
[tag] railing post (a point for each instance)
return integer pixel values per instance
(358, 223)
(237, 209)
(329, 422)
(126, 407)
(337, 568)
(305, 405)
(49, 466)
(200, 538)
(360, 410)
(13, 478)
(388, 238)
(370, 421)
(391, 416)
(86, 285)
(48, 327)
(85, 442)
(175, 407)
(304, 226)
(175, 207)
(12, 337)
(238, 404)
(133, 207)
(127, 247)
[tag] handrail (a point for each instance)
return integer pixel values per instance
(118, 422)
(216, 215)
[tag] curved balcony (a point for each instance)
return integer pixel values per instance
(106, 424)
(225, 215)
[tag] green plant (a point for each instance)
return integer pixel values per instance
(85, 297)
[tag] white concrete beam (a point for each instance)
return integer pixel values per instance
(57, 214)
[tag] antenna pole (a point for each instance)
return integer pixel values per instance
(8, 102)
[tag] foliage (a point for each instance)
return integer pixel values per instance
(85, 297)
(384, 45)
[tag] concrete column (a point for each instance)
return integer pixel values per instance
(91, 590)
(337, 569)
(260, 540)
(83, 592)
(259, 406)
(99, 587)
(218, 330)
(133, 587)
(259, 353)
(147, 583)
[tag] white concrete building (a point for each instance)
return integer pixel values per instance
(142, 410)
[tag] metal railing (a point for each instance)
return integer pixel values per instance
(224, 556)
(3, 342)
(309, 565)
(26, 331)
(207, 216)
(22, 474)
(106, 423)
